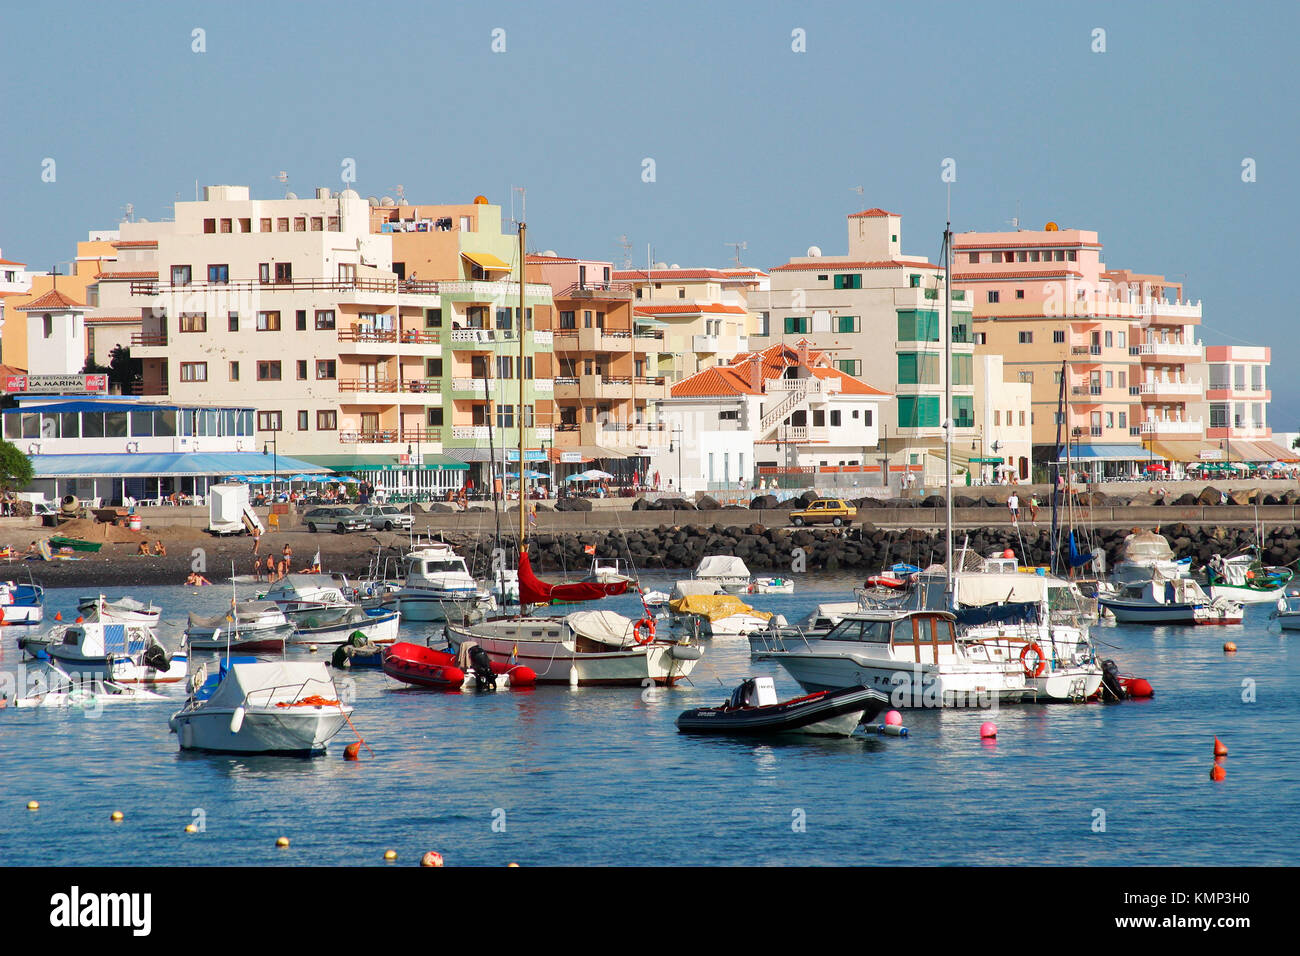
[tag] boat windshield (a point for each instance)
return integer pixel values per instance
(857, 629)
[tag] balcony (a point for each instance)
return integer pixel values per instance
(1163, 427)
(1158, 350)
(377, 437)
(372, 385)
(149, 339)
(596, 290)
(632, 435)
(496, 292)
(1086, 391)
(421, 434)
(469, 432)
(704, 343)
(592, 340)
(1180, 389)
(1085, 349)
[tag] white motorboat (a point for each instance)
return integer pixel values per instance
(582, 648)
(1288, 610)
(655, 598)
(437, 585)
(608, 572)
(124, 610)
(690, 587)
(57, 688)
(773, 585)
(251, 626)
(1146, 554)
(300, 593)
(505, 586)
(914, 656)
(725, 571)
(719, 615)
(124, 653)
(378, 625)
(1178, 600)
(277, 707)
(21, 603)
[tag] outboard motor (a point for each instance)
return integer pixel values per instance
(481, 666)
(1111, 688)
(156, 656)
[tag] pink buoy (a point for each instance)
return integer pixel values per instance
(1008, 553)
(988, 730)
(432, 858)
(893, 719)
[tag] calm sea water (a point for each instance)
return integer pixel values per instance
(601, 776)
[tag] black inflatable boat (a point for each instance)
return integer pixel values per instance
(835, 712)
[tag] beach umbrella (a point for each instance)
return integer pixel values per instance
(578, 477)
(1156, 467)
(595, 474)
(304, 478)
(346, 480)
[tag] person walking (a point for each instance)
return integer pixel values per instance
(1033, 509)
(1013, 506)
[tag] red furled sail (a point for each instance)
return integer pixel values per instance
(533, 590)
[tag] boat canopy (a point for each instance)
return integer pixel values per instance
(715, 606)
(685, 588)
(603, 627)
(1147, 546)
(981, 589)
(276, 680)
(722, 566)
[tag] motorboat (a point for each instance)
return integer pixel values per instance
(304, 593)
(773, 585)
(608, 572)
(582, 648)
(655, 598)
(1245, 579)
(725, 571)
(912, 655)
(123, 653)
(469, 668)
(719, 615)
(1144, 554)
(125, 610)
(21, 603)
(754, 710)
(437, 585)
(247, 706)
(1178, 600)
(249, 626)
(689, 587)
(57, 688)
(336, 625)
(1288, 610)
(819, 621)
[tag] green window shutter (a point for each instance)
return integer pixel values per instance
(907, 368)
(846, 323)
(963, 411)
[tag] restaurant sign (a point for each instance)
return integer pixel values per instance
(56, 384)
(1211, 454)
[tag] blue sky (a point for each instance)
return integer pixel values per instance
(751, 141)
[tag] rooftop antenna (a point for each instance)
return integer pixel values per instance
(282, 178)
(129, 216)
(856, 189)
(401, 194)
(1015, 223)
(627, 250)
(739, 247)
(523, 204)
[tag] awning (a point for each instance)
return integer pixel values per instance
(485, 260)
(1186, 451)
(476, 455)
(1249, 451)
(341, 463)
(1102, 452)
(1280, 452)
(167, 465)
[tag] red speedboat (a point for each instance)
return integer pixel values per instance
(426, 667)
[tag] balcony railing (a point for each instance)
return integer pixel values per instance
(1169, 427)
(381, 436)
(367, 385)
(596, 290)
(421, 434)
(1085, 349)
(149, 338)
(1170, 388)
(1181, 349)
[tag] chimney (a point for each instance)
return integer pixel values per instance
(803, 352)
(756, 372)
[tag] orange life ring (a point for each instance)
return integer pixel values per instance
(1042, 661)
(648, 624)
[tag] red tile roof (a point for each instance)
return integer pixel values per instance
(873, 213)
(680, 309)
(734, 378)
(114, 319)
(1026, 244)
(54, 301)
(829, 265)
(10, 262)
(127, 275)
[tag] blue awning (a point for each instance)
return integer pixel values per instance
(167, 465)
(1102, 452)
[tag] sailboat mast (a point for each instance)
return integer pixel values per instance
(947, 399)
(1055, 539)
(523, 482)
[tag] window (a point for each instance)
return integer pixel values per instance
(232, 321)
(505, 366)
(328, 421)
(1110, 379)
(1110, 419)
(433, 318)
(1025, 338)
(1022, 418)
(284, 272)
(302, 369)
(1072, 255)
(918, 326)
(981, 338)
(326, 369)
(300, 320)
(1025, 377)
(1058, 336)
(433, 417)
(849, 366)
(303, 420)
(194, 371)
(835, 418)
(268, 421)
(282, 224)
(963, 370)
(265, 225)
(325, 319)
(1120, 339)
(796, 325)
(1123, 419)
(918, 411)
(1122, 379)
(1020, 293)
(847, 323)
(264, 272)
(848, 281)
(914, 281)
(433, 368)
(268, 321)
(268, 372)
(973, 257)
(219, 274)
(317, 224)
(729, 415)
(505, 416)
(234, 371)
(1056, 378)
(1110, 339)
(918, 368)
(209, 226)
(193, 321)
(180, 275)
(332, 224)
(568, 320)
(681, 293)
(993, 297)
(997, 417)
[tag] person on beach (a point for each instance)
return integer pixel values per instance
(270, 568)
(1013, 505)
(287, 554)
(1033, 509)
(281, 569)
(196, 580)
(159, 549)
(257, 540)
(143, 549)
(257, 568)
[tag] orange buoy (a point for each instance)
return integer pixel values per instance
(431, 859)
(1229, 647)
(1220, 749)
(58, 615)
(352, 751)
(390, 854)
(33, 805)
(1217, 772)
(116, 816)
(80, 619)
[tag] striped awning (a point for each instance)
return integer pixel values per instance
(485, 260)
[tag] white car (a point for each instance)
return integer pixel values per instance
(386, 517)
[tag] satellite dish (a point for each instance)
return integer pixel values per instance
(814, 252)
(349, 194)
(290, 195)
(675, 266)
(374, 201)
(550, 254)
(142, 219)
(1051, 227)
(387, 201)
(661, 265)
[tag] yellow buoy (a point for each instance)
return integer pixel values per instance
(508, 865)
(282, 842)
(312, 648)
(1229, 647)
(33, 805)
(191, 828)
(390, 854)
(116, 816)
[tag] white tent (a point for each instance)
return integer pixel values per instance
(722, 566)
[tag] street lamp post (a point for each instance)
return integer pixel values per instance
(275, 463)
(677, 436)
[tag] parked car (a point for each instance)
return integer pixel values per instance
(825, 511)
(386, 517)
(338, 518)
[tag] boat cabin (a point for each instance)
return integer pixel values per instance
(919, 636)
